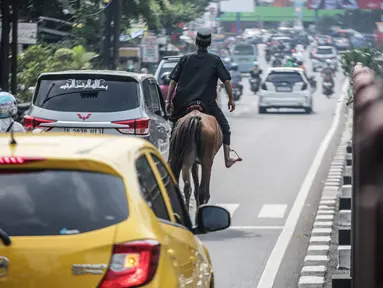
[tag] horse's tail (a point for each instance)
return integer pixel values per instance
(185, 141)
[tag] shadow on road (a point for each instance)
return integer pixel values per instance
(230, 234)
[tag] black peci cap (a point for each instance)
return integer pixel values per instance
(204, 35)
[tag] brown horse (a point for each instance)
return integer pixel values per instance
(196, 139)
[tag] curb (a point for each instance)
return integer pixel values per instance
(317, 262)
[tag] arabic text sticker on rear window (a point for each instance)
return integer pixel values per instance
(96, 84)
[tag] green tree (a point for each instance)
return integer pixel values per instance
(38, 59)
(177, 11)
(368, 57)
(31, 10)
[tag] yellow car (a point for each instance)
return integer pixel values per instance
(97, 211)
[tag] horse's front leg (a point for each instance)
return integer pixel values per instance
(204, 192)
(196, 183)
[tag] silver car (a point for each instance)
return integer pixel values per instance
(321, 54)
(286, 87)
(167, 64)
(100, 102)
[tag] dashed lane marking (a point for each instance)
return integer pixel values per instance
(272, 211)
(231, 207)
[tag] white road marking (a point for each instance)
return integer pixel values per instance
(272, 211)
(313, 269)
(324, 217)
(307, 280)
(320, 239)
(231, 207)
(326, 211)
(323, 224)
(322, 231)
(256, 227)
(328, 198)
(272, 266)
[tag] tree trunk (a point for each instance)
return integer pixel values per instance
(15, 20)
(4, 50)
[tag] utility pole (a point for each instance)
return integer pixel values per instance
(15, 20)
(108, 35)
(4, 51)
(117, 7)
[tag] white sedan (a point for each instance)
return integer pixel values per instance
(284, 87)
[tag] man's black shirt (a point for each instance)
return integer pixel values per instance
(197, 76)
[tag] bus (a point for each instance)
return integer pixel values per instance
(244, 54)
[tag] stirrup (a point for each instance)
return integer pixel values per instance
(232, 150)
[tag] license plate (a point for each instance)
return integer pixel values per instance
(243, 60)
(84, 130)
(284, 89)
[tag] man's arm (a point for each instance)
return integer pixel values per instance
(172, 86)
(225, 77)
(175, 77)
(229, 91)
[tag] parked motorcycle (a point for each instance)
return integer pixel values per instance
(237, 93)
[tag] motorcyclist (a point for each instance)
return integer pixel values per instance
(196, 76)
(8, 110)
(226, 62)
(256, 71)
(236, 76)
(144, 71)
(289, 62)
(276, 60)
(130, 68)
(328, 72)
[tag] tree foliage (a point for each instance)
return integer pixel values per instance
(31, 10)
(369, 57)
(38, 59)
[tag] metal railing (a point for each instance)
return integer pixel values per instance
(367, 182)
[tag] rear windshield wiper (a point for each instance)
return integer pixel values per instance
(5, 238)
(67, 93)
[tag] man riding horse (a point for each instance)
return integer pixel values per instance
(196, 76)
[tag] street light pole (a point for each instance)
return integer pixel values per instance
(218, 22)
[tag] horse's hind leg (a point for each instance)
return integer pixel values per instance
(196, 183)
(204, 192)
(187, 185)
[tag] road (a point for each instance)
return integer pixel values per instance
(278, 150)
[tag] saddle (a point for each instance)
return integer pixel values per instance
(182, 111)
(196, 106)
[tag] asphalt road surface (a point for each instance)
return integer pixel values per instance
(278, 150)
